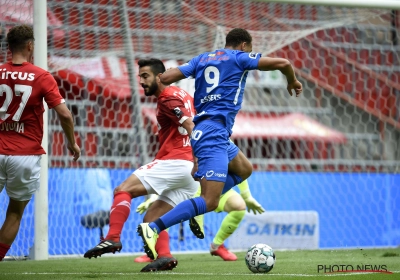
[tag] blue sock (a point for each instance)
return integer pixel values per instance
(231, 181)
(181, 212)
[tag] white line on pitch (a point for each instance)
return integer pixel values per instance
(205, 274)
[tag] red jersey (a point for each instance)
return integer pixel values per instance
(174, 106)
(22, 90)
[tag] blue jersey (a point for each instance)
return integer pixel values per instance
(220, 78)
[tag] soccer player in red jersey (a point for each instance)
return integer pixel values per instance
(168, 175)
(23, 87)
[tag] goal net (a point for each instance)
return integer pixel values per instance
(333, 150)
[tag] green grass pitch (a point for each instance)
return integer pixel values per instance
(298, 264)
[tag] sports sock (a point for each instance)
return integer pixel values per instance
(119, 213)
(229, 224)
(162, 245)
(3, 250)
(214, 246)
(231, 181)
(181, 212)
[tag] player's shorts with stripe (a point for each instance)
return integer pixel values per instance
(20, 175)
(213, 149)
(171, 180)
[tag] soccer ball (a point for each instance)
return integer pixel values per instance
(260, 258)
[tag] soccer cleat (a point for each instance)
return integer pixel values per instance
(196, 224)
(149, 238)
(143, 259)
(162, 263)
(224, 253)
(105, 246)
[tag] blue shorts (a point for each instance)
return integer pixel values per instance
(213, 149)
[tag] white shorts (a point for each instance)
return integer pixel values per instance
(171, 180)
(20, 175)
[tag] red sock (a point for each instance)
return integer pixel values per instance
(3, 250)
(162, 245)
(119, 213)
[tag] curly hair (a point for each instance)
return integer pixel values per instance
(237, 36)
(18, 36)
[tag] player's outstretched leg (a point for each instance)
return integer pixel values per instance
(118, 215)
(105, 246)
(196, 224)
(163, 263)
(149, 238)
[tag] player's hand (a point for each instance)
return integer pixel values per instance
(194, 170)
(75, 150)
(144, 206)
(253, 205)
(296, 86)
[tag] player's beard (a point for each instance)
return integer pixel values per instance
(151, 89)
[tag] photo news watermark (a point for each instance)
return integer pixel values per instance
(349, 268)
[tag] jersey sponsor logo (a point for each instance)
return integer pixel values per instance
(211, 173)
(211, 54)
(178, 112)
(13, 126)
(211, 97)
(219, 174)
(16, 75)
(214, 58)
(253, 55)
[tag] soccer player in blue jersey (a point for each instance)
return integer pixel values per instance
(220, 78)
(233, 203)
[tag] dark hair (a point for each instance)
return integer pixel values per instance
(237, 36)
(18, 36)
(156, 65)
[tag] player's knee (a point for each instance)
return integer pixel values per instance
(118, 189)
(247, 170)
(133, 190)
(212, 204)
(235, 203)
(16, 208)
(121, 188)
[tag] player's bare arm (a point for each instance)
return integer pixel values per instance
(172, 75)
(283, 65)
(67, 125)
(188, 124)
